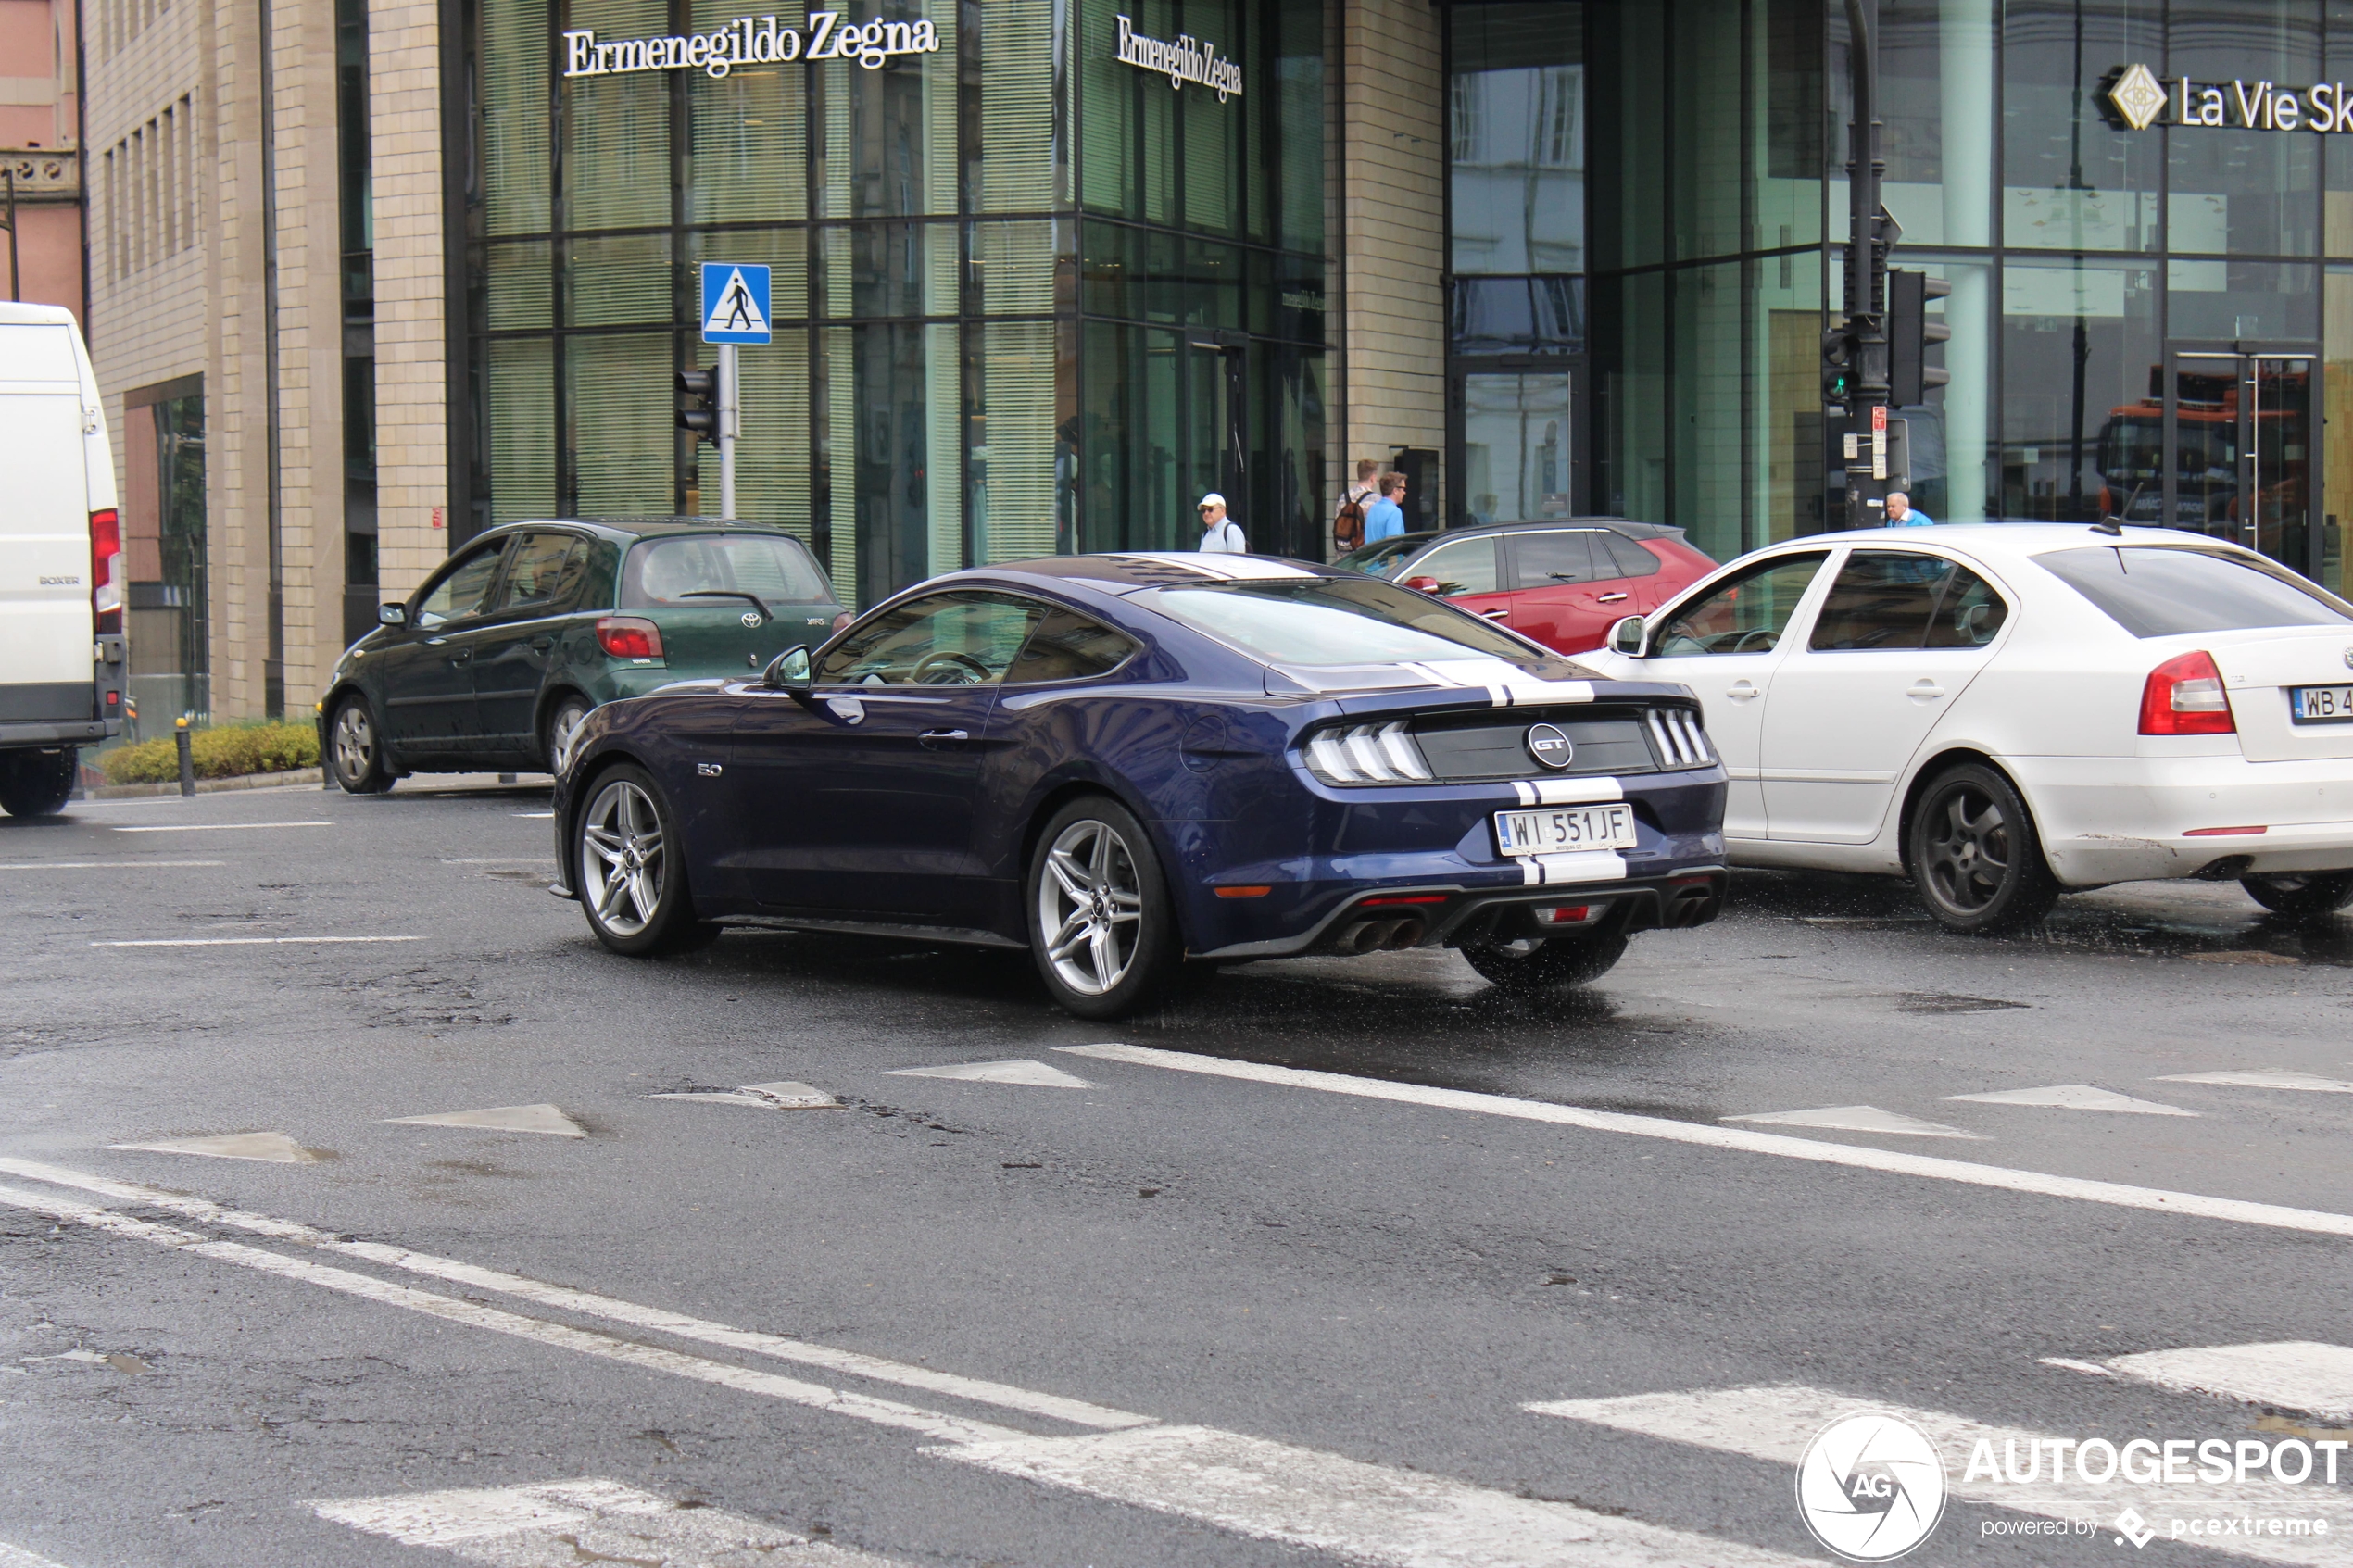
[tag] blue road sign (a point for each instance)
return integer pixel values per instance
(734, 302)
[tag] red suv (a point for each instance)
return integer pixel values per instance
(1561, 582)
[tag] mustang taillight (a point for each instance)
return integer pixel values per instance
(2185, 696)
(1357, 753)
(105, 571)
(629, 636)
(1678, 737)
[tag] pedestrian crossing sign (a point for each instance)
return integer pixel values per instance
(734, 302)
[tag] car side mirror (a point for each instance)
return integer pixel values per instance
(392, 615)
(789, 670)
(1626, 636)
(1424, 584)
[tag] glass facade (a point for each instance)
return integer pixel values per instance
(1026, 297)
(2143, 321)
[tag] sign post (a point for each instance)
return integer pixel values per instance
(735, 311)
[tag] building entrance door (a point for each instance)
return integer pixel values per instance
(1217, 412)
(2239, 458)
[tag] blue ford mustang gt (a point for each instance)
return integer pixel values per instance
(1122, 762)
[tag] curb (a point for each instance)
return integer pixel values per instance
(204, 787)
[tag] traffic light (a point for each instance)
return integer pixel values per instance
(1909, 332)
(701, 413)
(1839, 375)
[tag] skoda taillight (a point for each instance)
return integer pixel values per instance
(105, 571)
(2185, 696)
(629, 636)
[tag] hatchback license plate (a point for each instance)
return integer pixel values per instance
(1561, 830)
(2320, 705)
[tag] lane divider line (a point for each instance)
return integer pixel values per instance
(853, 1363)
(1739, 1140)
(649, 1357)
(222, 827)
(101, 866)
(250, 941)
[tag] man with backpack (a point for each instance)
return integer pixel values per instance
(1348, 523)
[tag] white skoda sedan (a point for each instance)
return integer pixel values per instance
(2007, 712)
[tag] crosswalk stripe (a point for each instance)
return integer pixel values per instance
(1775, 1424)
(2296, 1374)
(584, 1521)
(16, 1557)
(1369, 1513)
(1739, 1139)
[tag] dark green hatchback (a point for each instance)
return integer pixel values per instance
(504, 650)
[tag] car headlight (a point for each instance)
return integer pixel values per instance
(1365, 754)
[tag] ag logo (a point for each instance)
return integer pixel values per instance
(1870, 1486)
(751, 620)
(1550, 746)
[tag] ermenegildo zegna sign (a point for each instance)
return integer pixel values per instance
(2144, 99)
(746, 41)
(1181, 59)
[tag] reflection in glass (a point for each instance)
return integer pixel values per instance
(1515, 446)
(1517, 139)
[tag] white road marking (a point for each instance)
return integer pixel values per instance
(251, 941)
(1858, 1118)
(275, 1148)
(2276, 1078)
(503, 1119)
(1369, 1513)
(2089, 1369)
(16, 1557)
(502, 860)
(102, 866)
(1774, 1424)
(1038, 1074)
(1076, 1412)
(766, 1097)
(1740, 1140)
(2076, 1097)
(221, 827)
(885, 1412)
(535, 813)
(583, 1521)
(2296, 1374)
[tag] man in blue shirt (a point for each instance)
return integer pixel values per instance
(1385, 519)
(1901, 515)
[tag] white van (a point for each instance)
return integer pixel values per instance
(61, 567)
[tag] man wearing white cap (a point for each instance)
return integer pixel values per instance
(1219, 535)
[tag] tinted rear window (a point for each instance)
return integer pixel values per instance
(2162, 590)
(1333, 622)
(662, 572)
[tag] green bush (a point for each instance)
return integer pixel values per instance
(225, 753)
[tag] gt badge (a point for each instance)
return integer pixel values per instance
(1550, 746)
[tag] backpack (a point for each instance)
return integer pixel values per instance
(1347, 525)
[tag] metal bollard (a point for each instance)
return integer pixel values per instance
(187, 760)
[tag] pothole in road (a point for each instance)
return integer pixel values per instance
(1936, 1001)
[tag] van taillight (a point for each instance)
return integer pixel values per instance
(627, 636)
(105, 571)
(2185, 696)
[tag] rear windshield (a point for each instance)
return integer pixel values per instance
(664, 572)
(1333, 621)
(2162, 590)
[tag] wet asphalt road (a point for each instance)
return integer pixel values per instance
(1387, 1281)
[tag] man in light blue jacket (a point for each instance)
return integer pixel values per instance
(1385, 519)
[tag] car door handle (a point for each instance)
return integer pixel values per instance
(541, 644)
(1742, 690)
(464, 656)
(1925, 690)
(942, 737)
(1496, 614)
(1611, 599)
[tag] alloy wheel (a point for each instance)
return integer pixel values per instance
(1968, 846)
(560, 729)
(355, 742)
(621, 860)
(1091, 904)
